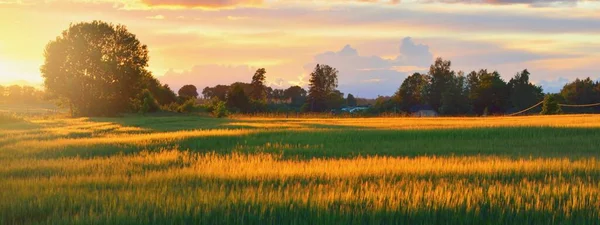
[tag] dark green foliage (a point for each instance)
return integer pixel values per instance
(323, 82)
(188, 92)
(412, 91)
(455, 99)
(220, 110)
(581, 92)
(383, 104)
(276, 95)
(219, 91)
(237, 99)
(523, 94)
(350, 100)
(162, 93)
(296, 94)
(259, 90)
(97, 68)
(149, 103)
(335, 100)
(487, 90)
(441, 75)
(550, 105)
(187, 106)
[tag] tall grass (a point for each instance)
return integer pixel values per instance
(531, 170)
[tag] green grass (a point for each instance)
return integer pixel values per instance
(62, 171)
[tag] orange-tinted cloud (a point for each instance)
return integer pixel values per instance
(202, 3)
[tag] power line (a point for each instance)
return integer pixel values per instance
(561, 105)
(525, 110)
(588, 105)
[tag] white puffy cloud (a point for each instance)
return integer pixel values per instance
(370, 76)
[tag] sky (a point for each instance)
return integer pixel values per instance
(374, 44)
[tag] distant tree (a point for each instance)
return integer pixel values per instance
(15, 93)
(2, 93)
(269, 92)
(323, 82)
(487, 91)
(278, 95)
(162, 93)
(335, 100)
(188, 92)
(440, 74)
(550, 105)
(219, 91)
(149, 103)
(455, 99)
(259, 90)
(581, 92)
(412, 91)
(220, 110)
(96, 68)
(523, 93)
(351, 101)
(383, 104)
(237, 99)
(297, 95)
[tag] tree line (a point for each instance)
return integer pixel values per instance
(100, 69)
(20, 94)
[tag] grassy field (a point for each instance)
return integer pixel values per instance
(194, 170)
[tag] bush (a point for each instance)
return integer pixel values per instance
(550, 105)
(149, 103)
(220, 110)
(172, 107)
(187, 106)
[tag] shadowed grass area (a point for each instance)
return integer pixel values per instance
(511, 142)
(190, 170)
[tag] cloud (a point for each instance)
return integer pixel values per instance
(207, 75)
(157, 17)
(369, 76)
(534, 3)
(202, 3)
(232, 3)
(553, 86)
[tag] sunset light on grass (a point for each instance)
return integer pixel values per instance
(299, 112)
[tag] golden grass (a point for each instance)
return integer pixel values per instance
(410, 123)
(472, 184)
(249, 183)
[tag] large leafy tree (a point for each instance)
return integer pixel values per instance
(188, 92)
(96, 68)
(455, 100)
(237, 99)
(412, 91)
(323, 82)
(580, 92)
(441, 75)
(277, 95)
(259, 90)
(487, 91)
(296, 94)
(523, 93)
(219, 91)
(162, 93)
